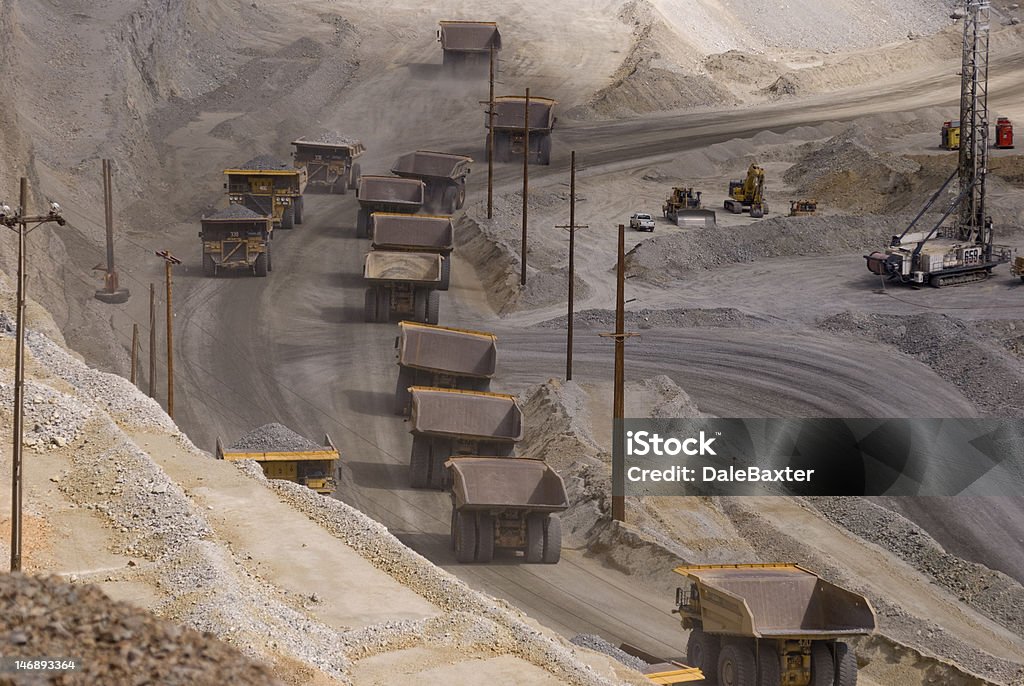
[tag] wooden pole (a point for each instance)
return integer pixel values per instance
(526, 181)
(134, 349)
(618, 409)
(19, 389)
(170, 344)
(490, 140)
(572, 269)
(152, 338)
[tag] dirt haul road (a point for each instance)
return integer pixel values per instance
(293, 348)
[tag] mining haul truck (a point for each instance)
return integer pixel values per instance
(506, 503)
(315, 469)
(330, 162)
(1018, 268)
(467, 44)
(770, 625)
(747, 195)
(447, 423)
(236, 238)
(402, 283)
(269, 187)
(510, 133)
(444, 175)
(386, 194)
(683, 207)
(416, 233)
(440, 357)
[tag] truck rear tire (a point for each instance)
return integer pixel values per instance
(736, 665)
(354, 181)
(534, 538)
(261, 264)
(769, 667)
(484, 537)
(846, 664)
(461, 199)
(702, 651)
(288, 218)
(209, 266)
(823, 669)
(419, 463)
(552, 539)
(465, 537)
(446, 272)
(402, 395)
(433, 306)
(370, 305)
(297, 204)
(270, 259)
(419, 305)
(362, 224)
(438, 472)
(545, 150)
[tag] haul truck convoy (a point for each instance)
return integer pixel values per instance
(439, 357)
(269, 187)
(416, 233)
(447, 423)
(770, 625)
(402, 283)
(506, 503)
(313, 468)
(444, 175)
(510, 132)
(330, 162)
(236, 238)
(386, 194)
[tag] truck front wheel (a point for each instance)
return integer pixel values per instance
(736, 666)
(552, 540)
(846, 665)
(823, 669)
(534, 538)
(484, 537)
(433, 307)
(702, 652)
(465, 536)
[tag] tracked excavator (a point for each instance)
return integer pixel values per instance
(962, 251)
(747, 195)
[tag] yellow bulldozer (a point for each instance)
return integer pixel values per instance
(684, 207)
(747, 195)
(803, 208)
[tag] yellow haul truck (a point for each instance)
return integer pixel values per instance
(236, 238)
(269, 187)
(283, 454)
(770, 625)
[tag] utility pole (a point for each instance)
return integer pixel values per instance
(169, 261)
(619, 398)
(152, 338)
(572, 268)
(18, 222)
(490, 138)
(526, 181)
(135, 348)
(111, 292)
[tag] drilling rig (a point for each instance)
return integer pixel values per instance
(963, 250)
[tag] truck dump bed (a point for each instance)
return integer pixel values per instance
(469, 36)
(386, 265)
(424, 164)
(776, 601)
(488, 416)
(328, 147)
(412, 232)
(390, 191)
(508, 113)
(451, 351)
(487, 483)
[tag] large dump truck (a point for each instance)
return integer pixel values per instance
(1017, 269)
(510, 132)
(236, 238)
(506, 503)
(441, 357)
(416, 233)
(402, 283)
(284, 454)
(386, 194)
(444, 175)
(770, 624)
(446, 423)
(684, 207)
(330, 161)
(467, 44)
(270, 187)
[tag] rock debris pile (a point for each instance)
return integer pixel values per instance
(598, 644)
(274, 438)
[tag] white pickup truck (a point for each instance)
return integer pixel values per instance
(640, 221)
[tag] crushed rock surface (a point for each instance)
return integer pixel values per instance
(598, 644)
(274, 437)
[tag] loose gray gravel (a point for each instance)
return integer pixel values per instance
(600, 645)
(273, 438)
(264, 162)
(235, 212)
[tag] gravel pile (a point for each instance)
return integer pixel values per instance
(52, 419)
(116, 643)
(659, 319)
(235, 212)
(261, 162)
(273, 438)
(993, 379)
(334, 138)
(598, 644)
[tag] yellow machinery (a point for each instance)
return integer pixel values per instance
(315, 469)
(1018, 268)
(803, 208)
(269, 187)
(950, 136)
(748, 195)
(684, 207)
